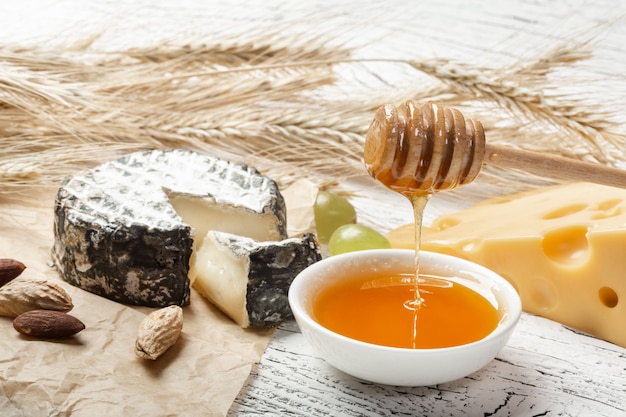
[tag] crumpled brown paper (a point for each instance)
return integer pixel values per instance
(96, 372)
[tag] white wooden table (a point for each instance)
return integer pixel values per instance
(546, 369)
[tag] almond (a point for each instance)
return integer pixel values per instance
(9, 269)
(23, 295)
(158, 332)
(47, 324)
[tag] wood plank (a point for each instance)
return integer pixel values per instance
(547, 369)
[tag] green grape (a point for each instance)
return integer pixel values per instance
(331, 211)
(354, 237)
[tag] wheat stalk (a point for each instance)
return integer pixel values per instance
(157, 99)
(266, 100)
(577, 128)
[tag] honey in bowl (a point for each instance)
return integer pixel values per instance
(381, 309)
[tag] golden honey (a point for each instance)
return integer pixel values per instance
(380, 309)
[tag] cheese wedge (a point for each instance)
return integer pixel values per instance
(250, 280)
(562, 247)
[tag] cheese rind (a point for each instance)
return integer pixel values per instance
(249, 280)
(562, 247)
(117, 233)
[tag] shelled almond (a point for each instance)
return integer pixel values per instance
(47, 324)
(10, 269)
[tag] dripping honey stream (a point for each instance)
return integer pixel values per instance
(418, 201)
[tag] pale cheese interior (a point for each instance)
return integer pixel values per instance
(204, 215)
(563, 248)
(222, 279)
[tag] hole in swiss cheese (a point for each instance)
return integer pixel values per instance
(608, 297)
(567, 245)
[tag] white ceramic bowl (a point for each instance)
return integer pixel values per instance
(399, 366)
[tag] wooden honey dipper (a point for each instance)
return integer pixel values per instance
(427, 148)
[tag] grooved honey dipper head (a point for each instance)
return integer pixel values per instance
(423, 148)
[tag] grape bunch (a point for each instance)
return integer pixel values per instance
(336, 224)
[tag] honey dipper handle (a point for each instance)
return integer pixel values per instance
(555, 167)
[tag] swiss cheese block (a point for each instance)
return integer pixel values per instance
(249, 280)
(562, 247)
(127, 229)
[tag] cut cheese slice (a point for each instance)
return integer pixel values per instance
(127, 229)
(562, 247)
(250, 280)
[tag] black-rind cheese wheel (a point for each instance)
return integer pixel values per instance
(117, 232)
